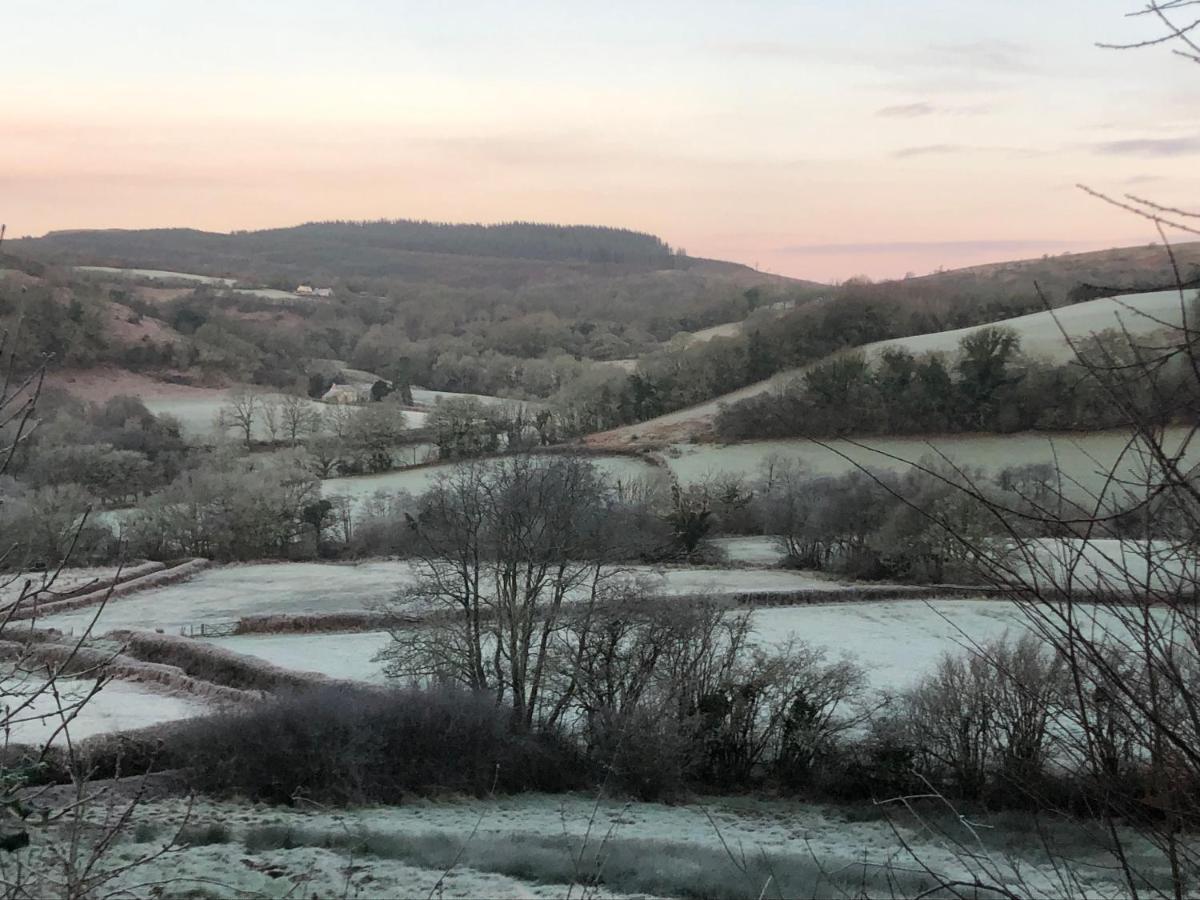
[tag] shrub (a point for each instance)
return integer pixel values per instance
(346, 745)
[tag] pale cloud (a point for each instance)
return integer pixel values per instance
(908, 110)
(930, 150)
(1149, 147)
(925, 108)
(1007, 57)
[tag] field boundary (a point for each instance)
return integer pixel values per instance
(153, 579)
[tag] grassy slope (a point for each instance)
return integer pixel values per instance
(1041, 335)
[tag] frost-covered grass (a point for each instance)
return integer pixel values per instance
(1110, 566)
(1041, 333)
(1086, 458)
(537, 845)
(65, 581)
(427, 397)
(348, 656)
(896, 641)
(119, 706)
(156, 275)
(755, 550)
(271, 294)
(198, 415)
(418, 480)
(231, 592)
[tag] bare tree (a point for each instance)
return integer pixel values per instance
(271, 417)
(504, 547)
(297, 418)
(240, 413)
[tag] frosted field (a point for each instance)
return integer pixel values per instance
(726, 329)
(417, 481)
(337, 655)
(198, 415)
(67, 580)
(230, 592)
(896, 641)
(157, 274)
(751, 551)
(426, 397)
(120, 706)
(271, 294)
(1040, 336)
(1084, 456)
(1111, 566)
(530, 846)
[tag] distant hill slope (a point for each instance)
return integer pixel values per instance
(506, 255)
(1067, 277)
(1041, 336)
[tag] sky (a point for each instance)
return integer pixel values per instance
(814, 139)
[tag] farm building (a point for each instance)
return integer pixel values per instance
(348, 393)
(307, 290)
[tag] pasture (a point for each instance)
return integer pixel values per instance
(156, 275)
(1084, 458)
(227, 593)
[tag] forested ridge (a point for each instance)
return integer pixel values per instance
(393, 247)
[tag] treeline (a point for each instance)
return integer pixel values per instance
(95, 481)
(519, 240)
(382, 248)
(987, 386)
(521, 342)
(770, 342)
(693, 704)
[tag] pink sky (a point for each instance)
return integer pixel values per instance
(811, 141)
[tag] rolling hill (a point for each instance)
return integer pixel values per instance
(1041, 334)
(468, 256)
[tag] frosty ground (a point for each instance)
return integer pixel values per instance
(574, 845)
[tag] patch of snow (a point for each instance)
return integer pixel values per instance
(337, 655)
(119, 706)
(757, 550)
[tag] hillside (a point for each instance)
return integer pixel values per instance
(1065, 278)
(513, 310)
(1041, 336)
(466, 256)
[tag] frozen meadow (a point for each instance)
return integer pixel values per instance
(227, 593)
